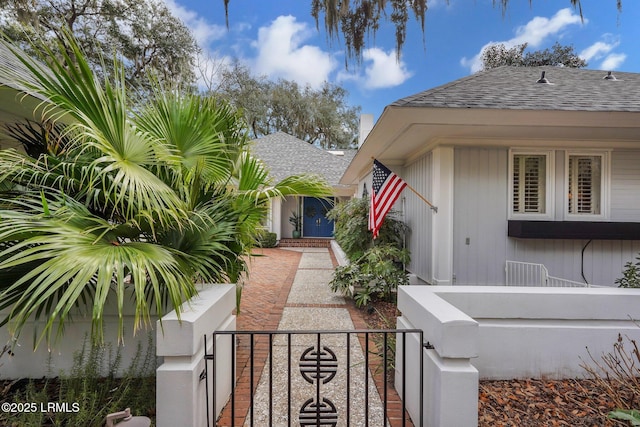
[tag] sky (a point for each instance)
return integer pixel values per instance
(279, 39)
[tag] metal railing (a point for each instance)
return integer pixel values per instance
(526, 274)
(531, 274)
(333, 384)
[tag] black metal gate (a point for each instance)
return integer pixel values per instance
(313, 378)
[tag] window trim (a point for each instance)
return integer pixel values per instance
(549, 186)
(605, 182)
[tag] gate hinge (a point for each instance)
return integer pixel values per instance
(428, 346)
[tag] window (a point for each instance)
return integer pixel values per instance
(586, 174)
(530, 185)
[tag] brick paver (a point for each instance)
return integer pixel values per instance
(264, 298)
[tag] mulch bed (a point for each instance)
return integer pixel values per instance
(531, 402)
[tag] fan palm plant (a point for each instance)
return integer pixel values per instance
(130, 204)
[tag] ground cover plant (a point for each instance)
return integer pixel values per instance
(92, 389)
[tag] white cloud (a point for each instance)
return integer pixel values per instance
(204, 32)
(613, 61)
(534, 33)
(281, 53)
(602, 50)
(596, 50)
(539, 28)
(380, 70)
(383, 70)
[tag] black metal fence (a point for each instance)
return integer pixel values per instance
(314, 378)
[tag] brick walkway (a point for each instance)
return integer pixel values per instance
(264, 298)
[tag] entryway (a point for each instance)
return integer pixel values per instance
(314, 217)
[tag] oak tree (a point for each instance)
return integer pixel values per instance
(320, 116)
(497, 55)
(141, 34)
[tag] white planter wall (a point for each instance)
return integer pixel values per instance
(57, 357)
(180, 392)
(495, 332)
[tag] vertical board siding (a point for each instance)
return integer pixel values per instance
(625, 186)
(418, 217)
(480, 215)
(603, 260)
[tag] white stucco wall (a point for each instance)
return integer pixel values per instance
(56, 357)
(495, 332)
(181, 389)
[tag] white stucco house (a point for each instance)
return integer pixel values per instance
(521, 167)
(285, 155)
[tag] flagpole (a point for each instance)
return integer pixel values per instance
(434, 208)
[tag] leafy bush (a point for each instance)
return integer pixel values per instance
(630, 276)
(351, 231)
(377, 273)
(266, 239)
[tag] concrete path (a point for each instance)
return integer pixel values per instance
(288, 290)
(319, 310)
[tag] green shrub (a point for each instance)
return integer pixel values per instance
(351, 233)
(630, 276)
(266, 239)
(377, 273)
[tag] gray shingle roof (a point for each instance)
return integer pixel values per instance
(286, 155)
(506, 87)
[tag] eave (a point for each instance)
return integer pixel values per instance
(402, 134)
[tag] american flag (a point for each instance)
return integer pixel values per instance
(386, 189)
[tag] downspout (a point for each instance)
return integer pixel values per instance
(582, 262)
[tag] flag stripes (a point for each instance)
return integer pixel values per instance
(387, 187)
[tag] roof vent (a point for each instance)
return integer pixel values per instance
(609, 76)
(543, 79)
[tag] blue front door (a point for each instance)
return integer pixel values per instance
(314, 219)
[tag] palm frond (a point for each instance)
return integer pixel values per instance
(72, 253)
(100, 124)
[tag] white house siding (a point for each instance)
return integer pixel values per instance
(480, 216)
(603, 260)
(418, 216)
(625, 186)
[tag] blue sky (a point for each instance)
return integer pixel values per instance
(279, 39)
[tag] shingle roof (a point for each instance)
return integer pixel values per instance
(286, 155)
(507, 87)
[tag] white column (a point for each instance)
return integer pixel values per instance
(276, 217)
(442, 222)
(180, 391)
(450, 381)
